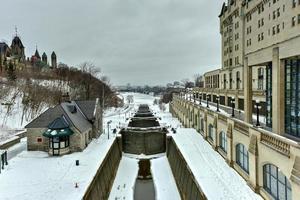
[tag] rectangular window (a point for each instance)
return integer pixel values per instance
(293, 21)
(294, 3)
(292, 97)
(269, 96)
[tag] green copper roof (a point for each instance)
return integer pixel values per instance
(58, 132)
(58, 128)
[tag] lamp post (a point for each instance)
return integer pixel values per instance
(108, 123)
(194, 95)
(218, 99)
(232, 104)
(257, 106)
(207, 101)
(200, 97)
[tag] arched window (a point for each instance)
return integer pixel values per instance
(202, 125)
(276, 183)
(223, 141)
(211, 132)
(242, 157)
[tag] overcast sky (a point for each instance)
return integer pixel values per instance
(133, 41)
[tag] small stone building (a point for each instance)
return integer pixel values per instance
(65, 128)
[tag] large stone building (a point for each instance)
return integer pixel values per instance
(65, 128)
(260, 61)
(15, 54)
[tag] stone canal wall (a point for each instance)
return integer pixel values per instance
(105, 176)
(185, 180)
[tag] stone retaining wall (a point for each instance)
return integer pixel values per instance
(185, 180)
(105, 176)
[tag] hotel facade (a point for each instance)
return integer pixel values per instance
(260, 73)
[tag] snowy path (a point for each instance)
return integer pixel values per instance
(123, 187)
(165, 185)
(17, 148)
(210, 169)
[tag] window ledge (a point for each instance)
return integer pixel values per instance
(210, 141)
(222, 152)
(241, 171)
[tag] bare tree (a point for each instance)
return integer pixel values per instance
(198, 78)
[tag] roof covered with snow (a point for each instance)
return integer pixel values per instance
(77, 114)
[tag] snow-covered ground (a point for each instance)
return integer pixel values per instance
(123, 187)
(210, 169)
(35, 175)
(165, 185)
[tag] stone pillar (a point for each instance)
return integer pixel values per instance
(215, 124)
(226, 99)
(205, 125)
(247, 92)
(295, 178)
(236, 101)
(277, 93)
(229, 159)
(253, 163)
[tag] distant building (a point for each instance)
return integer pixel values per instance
(53, 60)
(17, 49)
(44, 58)
(4, 53)
(15, 54)
(68, 127)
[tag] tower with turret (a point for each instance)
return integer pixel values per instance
(44, 58)
(17, 49)
(53, 60)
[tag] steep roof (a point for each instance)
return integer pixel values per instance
(76, 116)
(53, 55)
(224, 8)
(44, 55)
(72, 113)
(3, 47)
(36, 54)
(87, 108)
(59, 123)
(17, 41)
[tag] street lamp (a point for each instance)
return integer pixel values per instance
(108, 123)
(200, 98)
(207, 101)
(218, 99)
(194, 96)
(232, 104)
(257, 106)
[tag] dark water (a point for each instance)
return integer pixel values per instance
(144, 190)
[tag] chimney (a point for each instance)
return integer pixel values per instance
(66, 97)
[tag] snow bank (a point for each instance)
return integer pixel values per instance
(123, 187)
(35, 175)
(165, 185)
(210, 169)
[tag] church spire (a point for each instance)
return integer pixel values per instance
(37, 55)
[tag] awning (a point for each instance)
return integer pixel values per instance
(58, 132)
